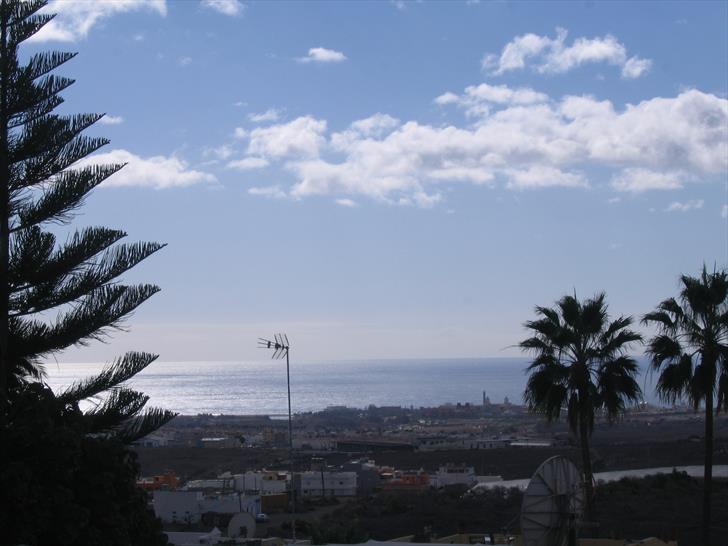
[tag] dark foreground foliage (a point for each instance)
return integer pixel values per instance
(425, 514)
(65, 476)
(62, 487)
(667, 506)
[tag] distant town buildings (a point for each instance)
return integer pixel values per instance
(188, 507)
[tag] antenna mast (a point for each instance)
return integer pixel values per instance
(281, 348)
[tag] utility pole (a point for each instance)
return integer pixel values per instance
(281, 348)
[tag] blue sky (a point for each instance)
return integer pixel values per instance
(399, 179)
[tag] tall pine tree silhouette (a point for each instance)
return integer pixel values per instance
(76, 280)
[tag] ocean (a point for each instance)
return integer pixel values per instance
(246, 388)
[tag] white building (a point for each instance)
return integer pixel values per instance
(329, 484)
(454, 475)
(157, 439)
(177, 506)
(263, 482)
(188, 506)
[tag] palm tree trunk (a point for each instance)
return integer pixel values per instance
(587, 468)
(708, 470)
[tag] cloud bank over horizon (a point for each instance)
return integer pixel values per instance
(518, 138)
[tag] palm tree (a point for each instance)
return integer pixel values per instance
(691, 353)
(580, 365)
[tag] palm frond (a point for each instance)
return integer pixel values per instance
(663, 348)
(675, 379)
(617, 385)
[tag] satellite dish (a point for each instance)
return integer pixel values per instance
(242, 525)
(552, 504)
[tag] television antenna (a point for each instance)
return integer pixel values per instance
(281, 347)
(553, 504)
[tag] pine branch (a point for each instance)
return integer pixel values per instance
(111, 265)
(32, 265)
(99, 311)
(28, 93)
(120, 405)
(43, 63)
(26, 24)
(121, 370)
(66, 194)
(141, 425)
(38, 170)
(32, 99)
(49, 136)
(32, 113)
(23, 10)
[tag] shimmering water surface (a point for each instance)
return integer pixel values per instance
(260, 387)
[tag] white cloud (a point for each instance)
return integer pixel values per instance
(447, 98)
(522, 140)
(541, 176)
(248, 163)
(516, 52)
(272, 114)
(158, 172)
(375, 126)
(111, 120)
(240, 133)
(638, 180)
(478, 100)
(221, 152)
(552, 55)
(75, 19)
(724, 211)
(273, 192)
(302, 137)
(420, 199)
(346, 203)
(226, 7)
(635, 67)
(184, 61)
(322, 55)
(693, 204)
